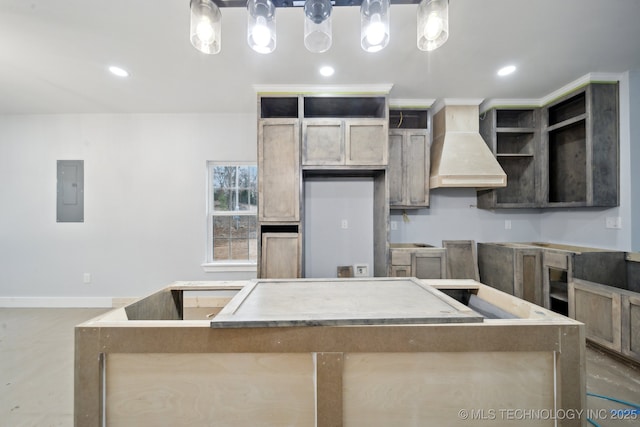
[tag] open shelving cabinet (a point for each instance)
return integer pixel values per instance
(565, 154)
(580, 144)
(514, 137)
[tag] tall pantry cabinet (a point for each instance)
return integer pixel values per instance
(279, 180)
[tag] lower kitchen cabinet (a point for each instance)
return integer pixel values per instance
(556, 275)
(630, 329)
(418, 260)
(598, 307)
(512, 268)
(280, 255)
(611, 316)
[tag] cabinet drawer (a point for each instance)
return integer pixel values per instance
(400, 258)
(556, 260)
(401, 271)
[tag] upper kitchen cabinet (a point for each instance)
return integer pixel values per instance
(279, 170)
(580, 146)
(409, 159)
(344, 132)
(564, 154)
(514, 137)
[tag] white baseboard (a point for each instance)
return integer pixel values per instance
(56, 302)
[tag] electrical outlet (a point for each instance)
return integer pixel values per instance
(360, 270)
(613, 222)
(86, 278)
(344, 224)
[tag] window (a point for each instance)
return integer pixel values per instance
(232, 207)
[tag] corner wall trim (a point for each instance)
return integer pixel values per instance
(56, 302)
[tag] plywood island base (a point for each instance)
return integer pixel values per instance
(148, 364)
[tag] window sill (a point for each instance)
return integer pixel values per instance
(217, 267)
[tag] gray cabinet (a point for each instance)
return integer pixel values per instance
(580, 146)
(630, 329)
(418, 260)
(279, 170)
(323, 142)
(611, 315)
(279, 181)
(409, 166)
(512, 268)
(514, 137)
(599, 308)
(564, 154)
(280, 255)
(344, 142)
(301, 136)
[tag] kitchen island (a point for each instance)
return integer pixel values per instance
(332, 352)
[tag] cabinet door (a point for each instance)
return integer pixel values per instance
(528, 280)
(280, 256)
(409, 166)
(279, 170)
(631, 326)
(417, 168)
(598, 307)
(430, 265)
(395, 171)
(322, 142)
(366, 142)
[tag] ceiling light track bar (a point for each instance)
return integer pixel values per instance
(206, 22)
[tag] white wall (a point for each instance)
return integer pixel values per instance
(145, 178)
(145, 220)
(453, 215)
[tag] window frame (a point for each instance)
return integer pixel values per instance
(211, 265)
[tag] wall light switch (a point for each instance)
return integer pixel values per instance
(86, 278)
(507, 224)
(394, 225)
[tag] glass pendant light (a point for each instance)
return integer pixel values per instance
(374, 24)
(317, 25)
(261, 25)
(206, 24)
(433, 24)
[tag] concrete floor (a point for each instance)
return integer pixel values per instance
(36, 371)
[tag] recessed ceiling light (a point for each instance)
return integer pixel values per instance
(505, 71)
(327, 71)
(120, 72)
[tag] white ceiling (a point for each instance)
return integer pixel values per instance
(54, 54)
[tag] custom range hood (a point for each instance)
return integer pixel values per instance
(459, 155)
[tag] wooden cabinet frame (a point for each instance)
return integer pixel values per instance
(409, 168)
(599, 308)
(279, 176)
(344, 142)
(630, 328)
